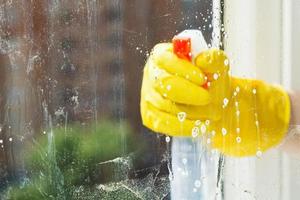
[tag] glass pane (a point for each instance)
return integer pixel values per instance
(71, 72)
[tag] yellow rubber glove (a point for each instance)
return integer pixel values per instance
(239, 117)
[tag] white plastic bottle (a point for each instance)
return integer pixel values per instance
(194, 167)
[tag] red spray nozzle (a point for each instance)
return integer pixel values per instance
(182, 47)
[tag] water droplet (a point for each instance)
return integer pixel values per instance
(10, 139)
(236, 104)
(207, 122)
(213, 133)
(224, 131)
(194, 190)
(197, 122)
(225, 102)
(238, 139)
(235, 94)
(226, 62)
(1, 141)
(203, 128)
(44, 132)
(254, 91)
(165, 95)
(197, 183)
(184, 161)
(238, 130)
(208, 141)
(216, 76)
(207, 57)
(237, 89)
(238, 113)
(168, 139)
(259, 154)
(169, 87)
(256, 123)
(195, 132)
(181, 116)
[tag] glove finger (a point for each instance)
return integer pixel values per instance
(164, 58)
(175, 88)
(166, 105)
(181, 91)
(212, 62)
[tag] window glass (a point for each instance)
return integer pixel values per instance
(70, 79)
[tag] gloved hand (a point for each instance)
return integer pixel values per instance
(239, 117)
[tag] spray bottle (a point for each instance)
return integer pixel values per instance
(193, 167)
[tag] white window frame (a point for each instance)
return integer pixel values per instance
(263, 38)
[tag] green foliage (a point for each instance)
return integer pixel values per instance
(78, 156)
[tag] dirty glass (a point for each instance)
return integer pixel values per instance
(71, 72)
